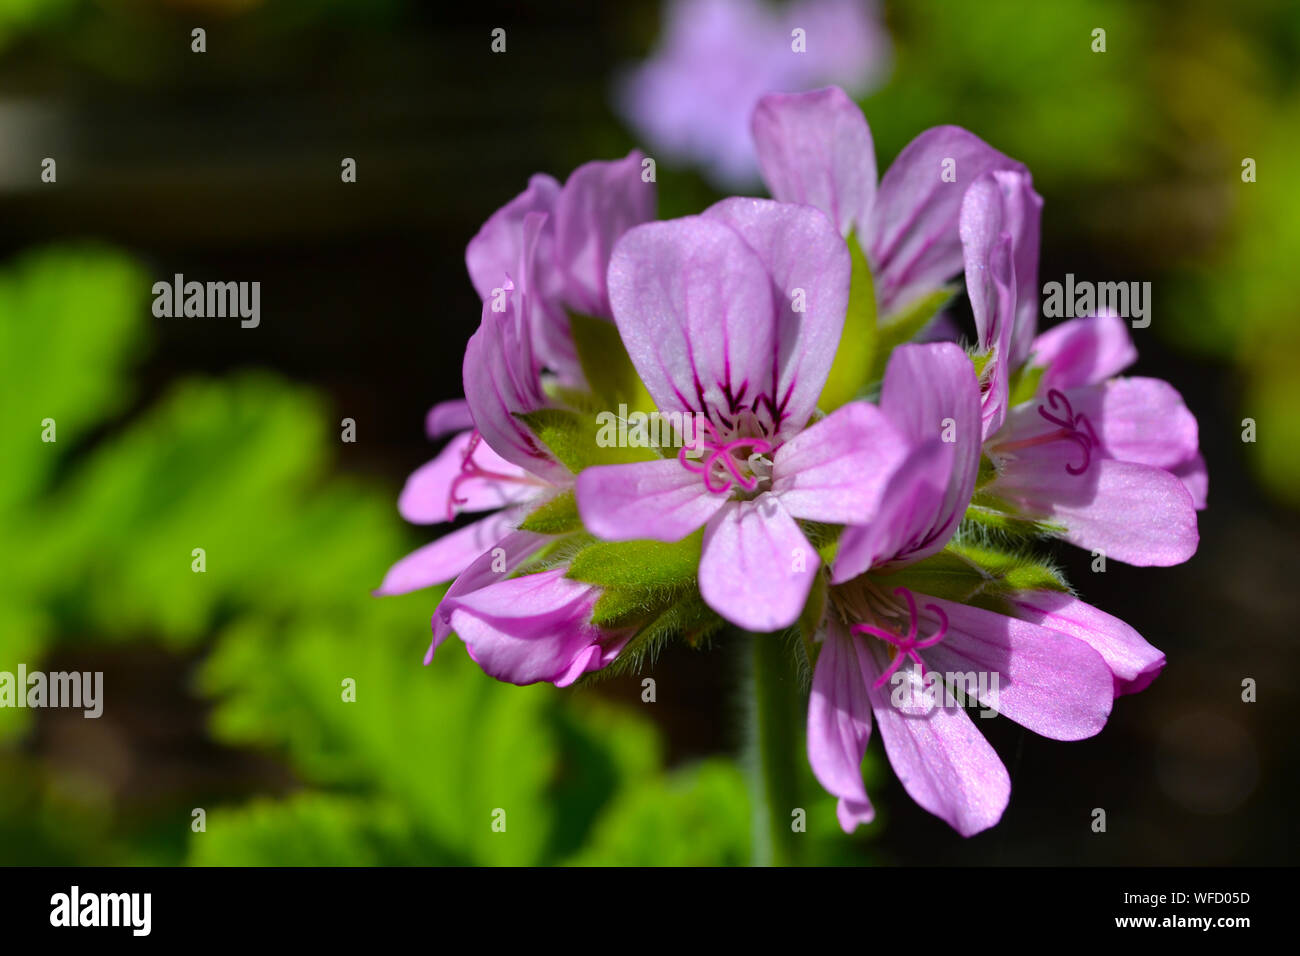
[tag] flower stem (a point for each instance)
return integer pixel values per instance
(775, 724)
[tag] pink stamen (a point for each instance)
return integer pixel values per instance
(722, 453)
(908, 644)
(471, 469)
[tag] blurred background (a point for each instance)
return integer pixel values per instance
(222, 689)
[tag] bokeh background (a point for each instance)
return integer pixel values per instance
(222, 689)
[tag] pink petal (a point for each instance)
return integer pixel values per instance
(941, 760)
(1133, 513)
(915, 247)
(1142, 420)
(1133, 662)
(503, 557)
(908, 520)
(448, 556)
(991, 284)
(599, 202)
(815, 148)
(526, 629)
(801, 251)
(1047, 681)
(757, 567)
(501, 381)
(1195, 478)
(447, 417)
(930, 392)
(1083, 352)
(426, 497)
(837, 470)
(839, 724)
(495, 250)
(693, 304)
(660, 500)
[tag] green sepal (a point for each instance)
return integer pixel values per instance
(993, 514)
(687, 616)
(558, 515)
(904, 326)
(639, 565)
(571, 438)
(851, 370)
(1024, 386)
(977, 574)
(606, 365)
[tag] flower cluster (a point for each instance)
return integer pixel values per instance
(858, 479)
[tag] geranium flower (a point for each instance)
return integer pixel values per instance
(1050, 681)
(706, 307)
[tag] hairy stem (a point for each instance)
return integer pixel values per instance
(776, 720)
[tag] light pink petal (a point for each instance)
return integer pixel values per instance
(1133, 662)
(1133, 513)
(941, 760)
(660, 500)
(915, 247)
(839, 724)
(836, 471)
(1195, 478)
(447, 417)
(809, 266)
(1083, 352)
(1047, 681)
(1138, 419)
(757, 567)
(815, 148)
(427, 495)
(694, 307)
(930, 391)
(501, 382)
(987, 249)
(601, 201)
(495, 250)
(908, 520)
(445, 558)
(496, 561)
(526, 629)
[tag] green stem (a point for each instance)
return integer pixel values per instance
(777, 720)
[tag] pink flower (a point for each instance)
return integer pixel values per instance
(707, 309)
(1051, 679)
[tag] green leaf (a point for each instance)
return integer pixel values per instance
(315, 829)
(579, 441)
(699, 816)
(851, 371)
(559, 515)
(903, 326)
(606, 365)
